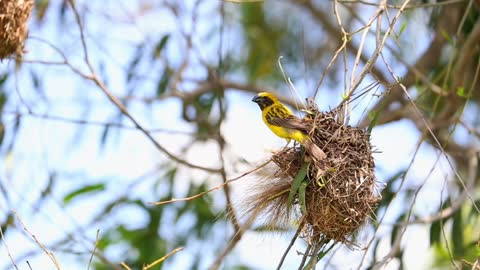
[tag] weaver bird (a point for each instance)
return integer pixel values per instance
(283, 123)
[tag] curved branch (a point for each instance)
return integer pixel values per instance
(94, 78)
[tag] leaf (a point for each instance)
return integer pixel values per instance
(322, 253)
(461, 91)
(105, 132)
(35, 80)
(296, 184)
(388, 194)
(3, 78)
(473, 211)
(447, 37)
(301, 197)
(3, 100)
(374, 121)
(457, 235)
(402, 28)
(394, 233)
(134, 62)
(270, 228)
(83, 190)
(2, 132)
(163, 82)
(62, 11)
(160, 46)
(41, 7)
(435, 230)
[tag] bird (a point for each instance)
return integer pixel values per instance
(283, 123)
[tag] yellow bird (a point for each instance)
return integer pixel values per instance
(285, 124)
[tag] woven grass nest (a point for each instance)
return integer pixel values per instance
(341, 190)
(13, 26)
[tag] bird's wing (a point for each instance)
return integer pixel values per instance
(286, 121)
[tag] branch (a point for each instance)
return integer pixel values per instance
(447, 25)
(94, 78)
(80, 121)
(148, 266)
(6, 247)
(212, 189)
(49, 254)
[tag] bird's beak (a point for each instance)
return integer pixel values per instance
(256, 99)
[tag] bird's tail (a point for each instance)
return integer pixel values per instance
(314, 150)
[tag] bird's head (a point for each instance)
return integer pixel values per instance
(264, 99)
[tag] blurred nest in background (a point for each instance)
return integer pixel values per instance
(13, 26)
(341, 189)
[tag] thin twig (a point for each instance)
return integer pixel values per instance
(412, 6)
(8, 250)
(305, 255)
(49, 254)
(290, 245)
(125, 266)
(94, 78)
(212, 189)
(94, 249)
(148, 266)
(92, 122)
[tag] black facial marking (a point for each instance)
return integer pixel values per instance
(263, 102)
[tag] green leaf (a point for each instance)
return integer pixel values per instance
(160, 46)
(132, 66)
(296, 184)
(447, 37)
(63, 11)
(402, 28)
(35, 80)
(301, 196)
(105, 132)
(83, 190)
(2, 132)
(435, 230)
(457, 235)
(373, 123)
(461, 91)
(3, 78)
(3, 100)
(41, 7)
(395, 231)
(322, 253)
(271, 228)
(163, 82)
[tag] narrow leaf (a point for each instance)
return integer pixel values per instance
(3, 78)
(301, 196)
(374, 121)
(322, 253)
(105, 132)
(296, 183)
(83, 190)
(404, 25)
(457, 235)
(163, 82)
(160, 46)
(435, 232)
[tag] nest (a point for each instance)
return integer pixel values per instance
(341, 189)
(13, 26)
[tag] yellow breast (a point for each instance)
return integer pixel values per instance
(287, 133)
